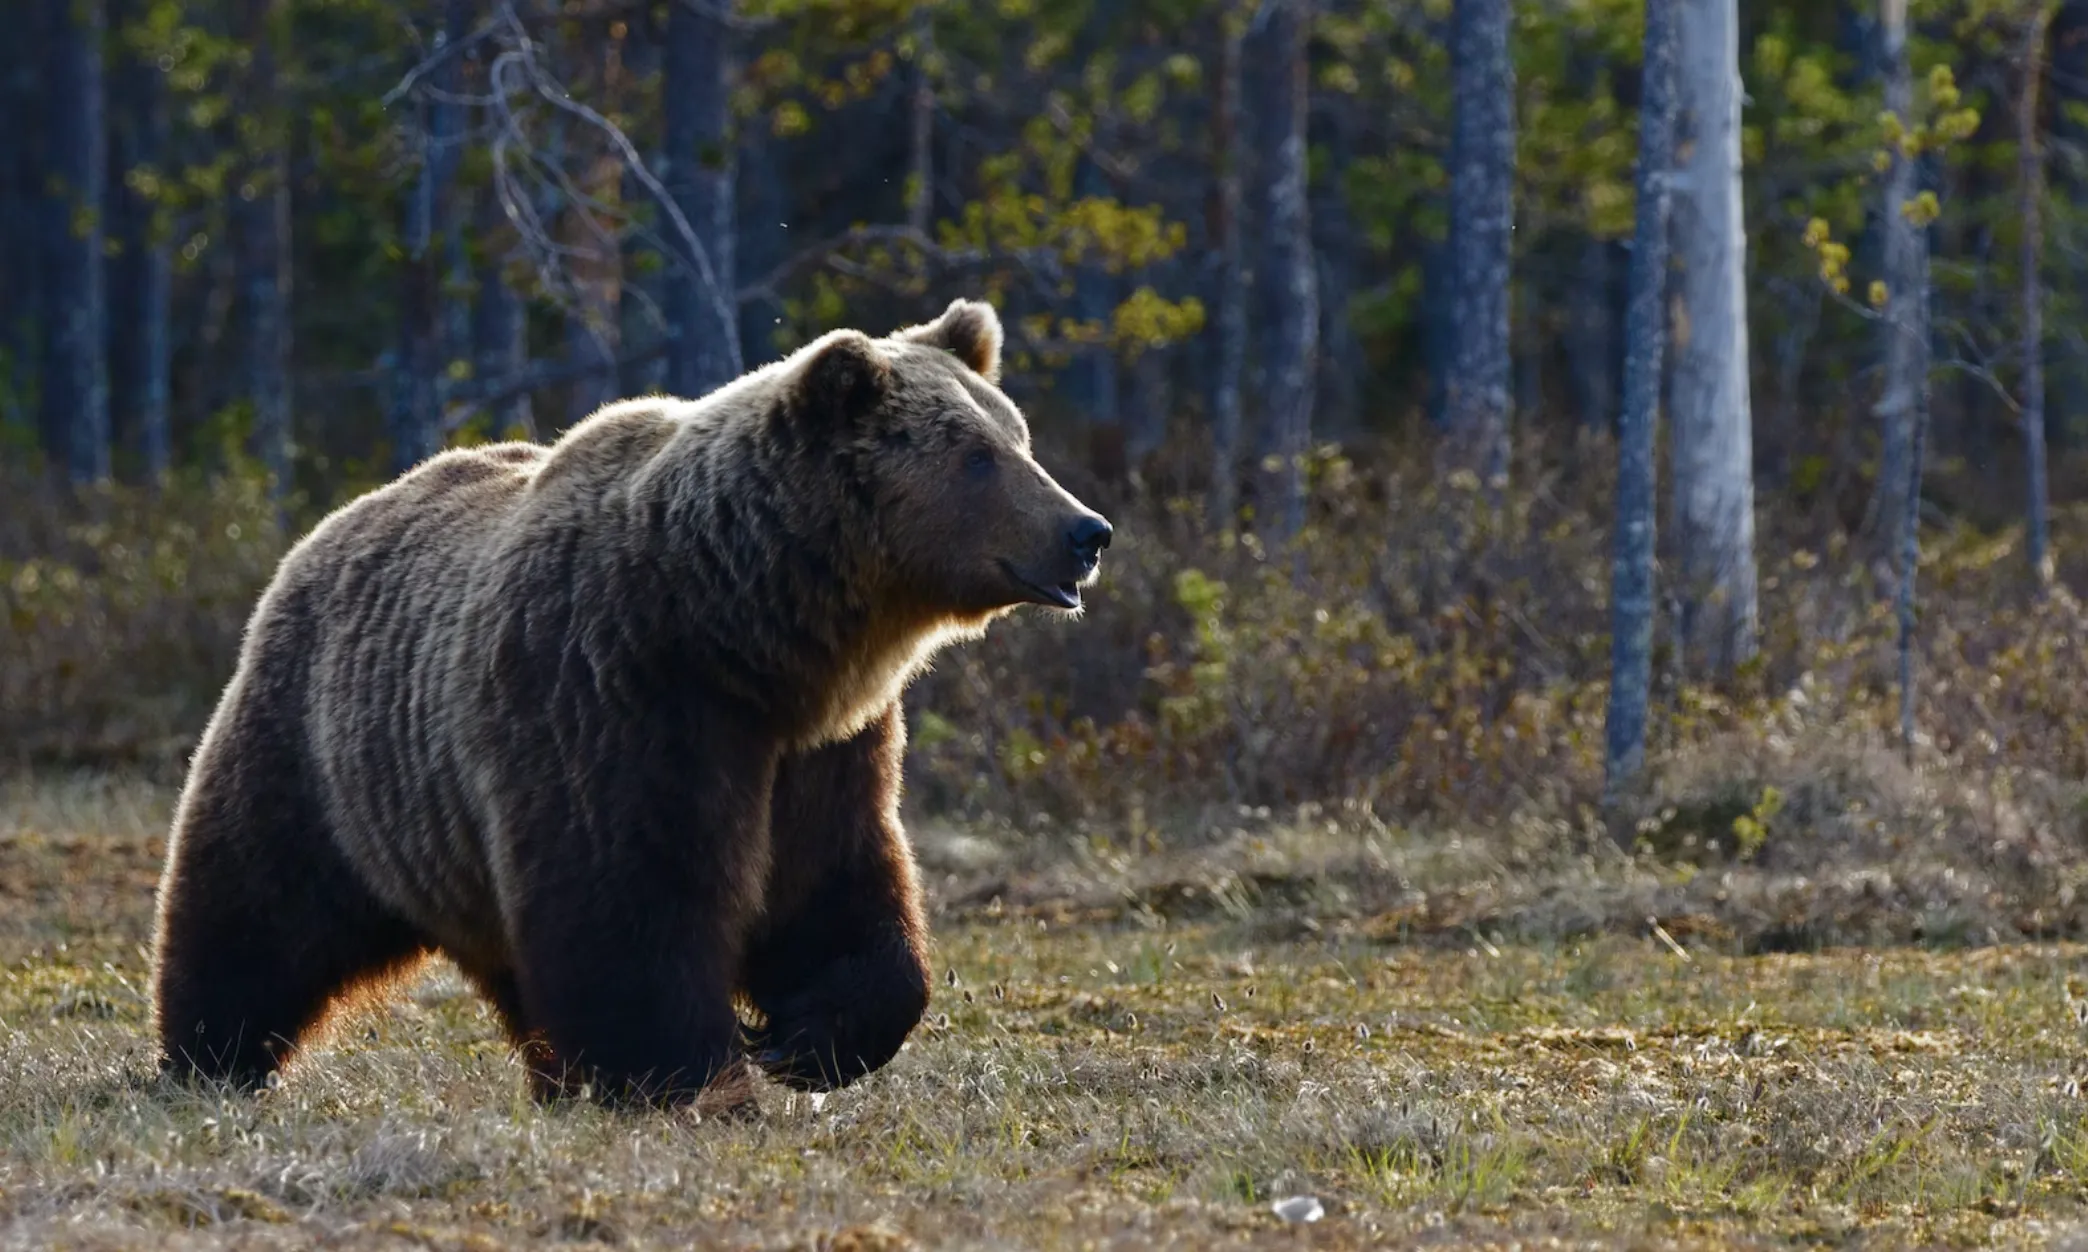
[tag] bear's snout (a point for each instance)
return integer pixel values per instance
(1087, 537)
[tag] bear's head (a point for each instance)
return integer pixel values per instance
(969, 525)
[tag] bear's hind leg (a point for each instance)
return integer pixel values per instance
(633, 1005)
(262, 924)
(630, 902)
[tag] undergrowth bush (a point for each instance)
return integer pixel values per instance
(121, 613)
(1425, 658)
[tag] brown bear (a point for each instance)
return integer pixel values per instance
(615, 725)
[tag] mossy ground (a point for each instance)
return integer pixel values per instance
(1087, 1080)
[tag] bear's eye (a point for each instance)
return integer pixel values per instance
(978, 462)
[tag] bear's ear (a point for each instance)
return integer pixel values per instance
(969, 329)
(844, 373)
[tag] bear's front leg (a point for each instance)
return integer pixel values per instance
(629, 902)
(838, 967)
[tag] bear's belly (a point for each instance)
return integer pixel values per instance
(427, 862)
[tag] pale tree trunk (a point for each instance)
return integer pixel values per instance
(21, 217)
(1338, 244)
(920, 139)
(1482, 223)
(1230, 304)
(702, 310)
(1286, 278)
(2067, 81)
(2030, 159)
(426, 322)
(641, 298)
(416, 418)
(595, 258)
(262, 220)
(141, 271)
(1713, 438)
(1906, 330)
(448, 120)
(1645, 339)
(499, 339)
(75, 424)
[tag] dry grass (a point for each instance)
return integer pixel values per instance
(1136, 1051)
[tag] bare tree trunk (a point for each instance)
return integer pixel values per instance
(1645, 337)
(1231, 297)
(1286, 279)
(2030, 160)
(141, 270)
(1337, 244)
(593, 334)
(701, 307)
(416, 413)
(1910, 548)
(427, 318)
(75, 375)
(920, 162)
(594, 256)
(447, 124)
(1906, 346)
(642, 295)
(262, 223)
(2067, 81)
(1713, 437)
(21, 217)
(1482, 222)
(500, 347)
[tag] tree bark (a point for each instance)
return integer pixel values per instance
(261, 220)
(701, 306)
(1482, 222)
(1338, 247)
(1645, 338)
(1713, 437)
(2067, 377)
(920, 145)
(416, 415)
(448, 122)
(425, 316)
(1286, 278)
(140, 269)
(642, 294)
(2030, 161)
(500, 347)
(21, 219)
(1906, 330)
(75, 424)
(1230, 299)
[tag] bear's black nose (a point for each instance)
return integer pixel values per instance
(1089, 536)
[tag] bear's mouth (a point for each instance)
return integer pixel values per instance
(1052, 595)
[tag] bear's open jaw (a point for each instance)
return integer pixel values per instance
(1062, 595)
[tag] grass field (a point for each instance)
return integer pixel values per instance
(1096, 1075)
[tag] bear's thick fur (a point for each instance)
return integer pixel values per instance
(615, 725)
